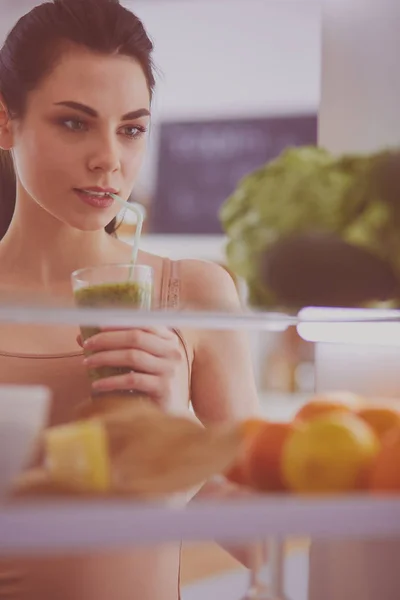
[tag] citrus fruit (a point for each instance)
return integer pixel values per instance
(330, 454)
(236, 473)
(385, 473)
(262, 463)
(250, 427)
(349, 399)
(77, 455)
(315, 408)
(381, 418)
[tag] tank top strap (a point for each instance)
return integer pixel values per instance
(170, 284)
(170, 298)
(165, 277)
(174, 288)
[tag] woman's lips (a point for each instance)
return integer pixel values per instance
(95, 199)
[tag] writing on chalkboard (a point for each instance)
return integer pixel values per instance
(200, 164)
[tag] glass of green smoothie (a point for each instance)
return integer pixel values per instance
(110, 286)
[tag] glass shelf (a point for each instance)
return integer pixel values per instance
(40, 527)
(77, 525)
(55, 313)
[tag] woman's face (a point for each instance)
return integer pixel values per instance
(84, 128)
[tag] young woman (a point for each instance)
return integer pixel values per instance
(76, 84)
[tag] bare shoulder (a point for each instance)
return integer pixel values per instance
(222, 382)
(207, 286)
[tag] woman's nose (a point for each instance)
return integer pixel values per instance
(105, 156)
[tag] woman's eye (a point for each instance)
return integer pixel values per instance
(133, 131)
(74, 124)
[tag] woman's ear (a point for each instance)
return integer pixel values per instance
(6, 135)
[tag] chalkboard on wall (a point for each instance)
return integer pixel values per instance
(200, 164)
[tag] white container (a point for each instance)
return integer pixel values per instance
(23, 414)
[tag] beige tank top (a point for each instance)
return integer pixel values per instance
(67, 378)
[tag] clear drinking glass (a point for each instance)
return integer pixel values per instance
(110, 286)
(270, 552)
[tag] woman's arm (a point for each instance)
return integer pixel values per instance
(223, 386)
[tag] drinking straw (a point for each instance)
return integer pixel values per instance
(140, 213)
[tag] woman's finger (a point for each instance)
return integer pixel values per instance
(137, 360)
(139, 382)
(135, 339)
(163, 332)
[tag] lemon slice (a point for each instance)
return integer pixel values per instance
(77, 455)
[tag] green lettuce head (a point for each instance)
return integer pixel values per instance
(306, 191)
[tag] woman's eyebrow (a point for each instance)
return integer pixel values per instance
(135, 114)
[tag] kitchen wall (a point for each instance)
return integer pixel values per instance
(227, 58)
(231, 58)
(360, 93)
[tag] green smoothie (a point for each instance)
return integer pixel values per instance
(129, 294)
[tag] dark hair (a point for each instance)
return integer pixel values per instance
(36, 43)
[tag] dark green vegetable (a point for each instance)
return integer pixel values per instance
(308, 191)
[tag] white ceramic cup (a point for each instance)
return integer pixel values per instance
(23, 414)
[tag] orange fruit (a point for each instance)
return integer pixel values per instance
(385, 473)
(381, 418)
(349, 399)
(250, 427)
(236, 473)
(315, 408)
(329, 454)
(262, 462)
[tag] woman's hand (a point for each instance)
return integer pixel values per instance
(153, 355)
